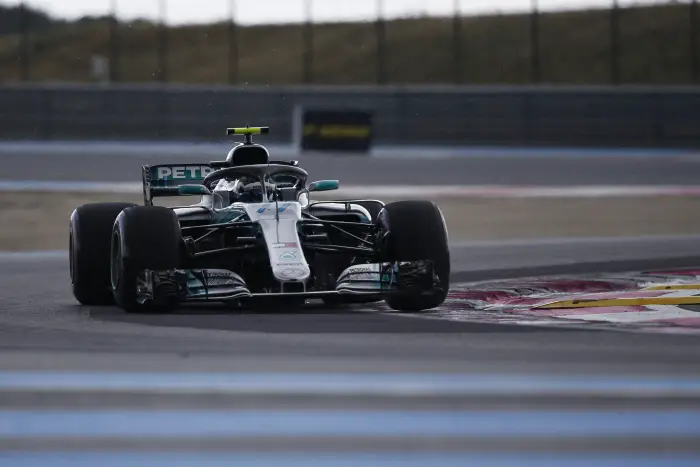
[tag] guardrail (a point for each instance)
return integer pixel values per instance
(445, 115)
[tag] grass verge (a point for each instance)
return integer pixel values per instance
(575, 47)
(39, 221)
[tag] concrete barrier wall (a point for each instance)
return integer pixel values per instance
(502, 116)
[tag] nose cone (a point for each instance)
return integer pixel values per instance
(279, 225)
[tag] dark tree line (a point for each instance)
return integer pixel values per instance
(12, 19)
(16, 19)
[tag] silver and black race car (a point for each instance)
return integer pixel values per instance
(255, 237)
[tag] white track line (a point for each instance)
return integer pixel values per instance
(550, 241)
(430, 191)
(281, 150)
(68, 186)
(349, 384)
(31, 255)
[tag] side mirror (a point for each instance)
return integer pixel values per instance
(324, 185)
(193, 190)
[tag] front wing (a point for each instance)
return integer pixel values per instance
(198, 285)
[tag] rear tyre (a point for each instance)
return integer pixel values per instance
(88, 250)
(416, 231)
(143, 237)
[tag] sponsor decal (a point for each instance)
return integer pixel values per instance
(285, 245)
(292, 273)
(367, 274)
(183, 172)
(363, 274)
(218, 275)
(280, 208)
(288, 256)
(218, 278)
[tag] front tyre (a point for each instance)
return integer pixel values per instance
(143, 237)
(89, 249)
(416, 231)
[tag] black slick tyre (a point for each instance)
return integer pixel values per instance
(143, 237)
(89, 251)
(416, 231)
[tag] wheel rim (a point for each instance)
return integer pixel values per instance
(115, 263)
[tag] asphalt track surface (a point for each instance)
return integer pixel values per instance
(105, 164)
(38, 314)
(42, 330)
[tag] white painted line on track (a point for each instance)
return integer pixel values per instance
(347, 459)
(394, 385)
(214, 150)
(507, 191)
(548, 241)
(418, 191)
(255, 423)
(32, 255)
(527, 241)
(220, 148)
(48, 254)
(68, 186)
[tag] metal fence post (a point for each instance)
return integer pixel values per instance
(694, 48)
(232, 44)
(457, 42)
(308, 42)
(381, 43)
(163, 43)
(24, 57)
(114, 43)
(615, 42)
(535, 65)
(164, 121)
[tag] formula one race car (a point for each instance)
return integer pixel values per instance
(255, 237)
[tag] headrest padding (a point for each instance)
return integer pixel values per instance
(248, 155)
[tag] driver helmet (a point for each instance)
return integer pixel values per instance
(251, 192)
(226, 192)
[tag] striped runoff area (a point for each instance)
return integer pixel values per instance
(379, 191)
(69, 419)
(647, 301)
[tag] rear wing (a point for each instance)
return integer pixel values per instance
(166, 179)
